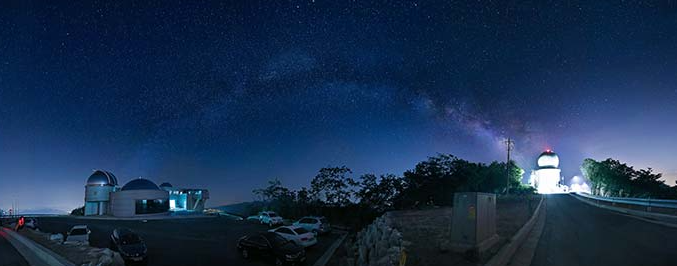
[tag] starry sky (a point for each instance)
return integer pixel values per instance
(225, 96)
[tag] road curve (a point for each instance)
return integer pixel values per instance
(8, 254)
(576, 233)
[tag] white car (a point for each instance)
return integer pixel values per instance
(269, 218)
(79, 233)
(296, 234)
(317, 225)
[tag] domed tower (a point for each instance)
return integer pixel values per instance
(546, 179)
(97, 192)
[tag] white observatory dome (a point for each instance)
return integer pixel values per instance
(548, 159)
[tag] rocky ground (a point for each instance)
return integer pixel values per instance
(422, 235)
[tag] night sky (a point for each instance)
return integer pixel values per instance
(225, 96)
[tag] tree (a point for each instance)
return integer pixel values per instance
(278, 198)
(613, 178)
(437, 178)
(78, 211)
(273, 191)
(333, 186)
(380, 195)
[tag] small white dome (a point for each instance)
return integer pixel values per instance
(548, 159)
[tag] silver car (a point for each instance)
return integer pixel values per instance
(79, 233)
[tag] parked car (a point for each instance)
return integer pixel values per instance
(31, 223)
(79, 233)
(297, 234)
(130, 245)
(271, 246)
(269, 218)
(317, 225)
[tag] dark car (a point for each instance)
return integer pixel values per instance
(129, 244)
(271, 246)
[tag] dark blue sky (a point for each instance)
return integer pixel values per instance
(225, 96)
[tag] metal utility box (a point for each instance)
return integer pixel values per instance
(473, 224)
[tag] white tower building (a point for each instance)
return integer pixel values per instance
(97, 192)
(546, 179)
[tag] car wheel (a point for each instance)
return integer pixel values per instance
(245, 253)
(278, 262)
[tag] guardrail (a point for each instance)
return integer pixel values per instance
(670, 204)
(658, 206)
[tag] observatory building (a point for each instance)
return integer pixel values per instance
(546, 179)
(97, 192)
(139, 197)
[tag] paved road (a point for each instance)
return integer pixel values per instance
(576, 233)
(201, 241)
(8, 255)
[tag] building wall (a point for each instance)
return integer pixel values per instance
(98, 193)
(123, 203)
(96, 199)
(548, 179)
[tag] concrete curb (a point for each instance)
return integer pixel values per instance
(657, 218)
(508, 250)
(330, 252)
(34, 253)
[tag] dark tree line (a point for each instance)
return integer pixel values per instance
(333, 192)
(615, 179)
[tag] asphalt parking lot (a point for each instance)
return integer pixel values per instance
(198, 241)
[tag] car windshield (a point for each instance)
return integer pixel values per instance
(324, 220)
(78, 231)
(130, 238)
(272, 214)
(300, 230)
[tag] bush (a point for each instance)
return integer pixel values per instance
(523, 190)
(78, 211)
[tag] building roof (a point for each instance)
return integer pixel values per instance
(102, 178)
(140, 184)
(165, 184)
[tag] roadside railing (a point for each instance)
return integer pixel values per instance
(641, 204)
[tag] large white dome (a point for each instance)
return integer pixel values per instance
(548, 159)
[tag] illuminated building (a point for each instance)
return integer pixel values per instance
(546, 179)
(139, 197)
(185, 199)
